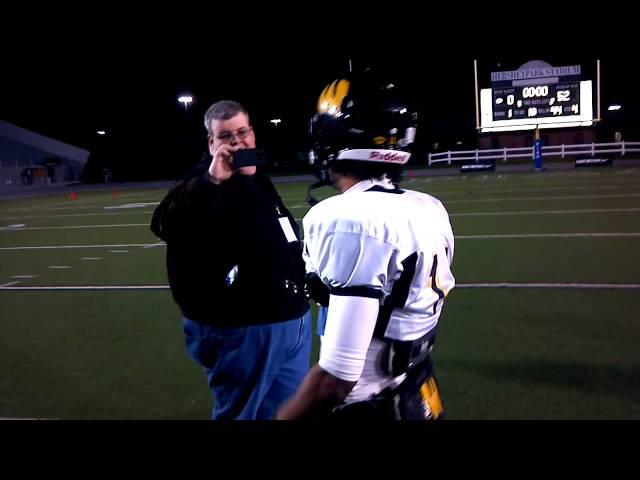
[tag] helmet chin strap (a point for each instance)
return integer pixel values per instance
(310, 199)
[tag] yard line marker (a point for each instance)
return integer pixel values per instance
(81, 226)
(548, 235)
(55, 247)
(617, 286)
(544, 212)
(614, 286)
(86, 287)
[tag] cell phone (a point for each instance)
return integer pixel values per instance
(248, 157)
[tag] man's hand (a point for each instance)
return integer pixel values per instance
(221, 167)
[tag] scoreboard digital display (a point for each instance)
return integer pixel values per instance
(536, 105)
(536, 101)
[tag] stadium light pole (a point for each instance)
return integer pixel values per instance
(475, 93)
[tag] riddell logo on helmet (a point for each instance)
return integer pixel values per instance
(392, 157)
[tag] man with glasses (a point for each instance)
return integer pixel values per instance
(235, 269)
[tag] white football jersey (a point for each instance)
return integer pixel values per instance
(364, 242)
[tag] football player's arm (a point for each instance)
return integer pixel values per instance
(350, 326)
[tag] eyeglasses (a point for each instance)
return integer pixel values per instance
(228, 137)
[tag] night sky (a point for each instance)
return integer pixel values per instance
(128, 85)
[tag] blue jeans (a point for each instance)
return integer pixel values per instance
(321, 320)
(251, 370)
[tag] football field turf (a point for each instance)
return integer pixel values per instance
(544, 322)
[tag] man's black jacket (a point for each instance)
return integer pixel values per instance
(228, 260)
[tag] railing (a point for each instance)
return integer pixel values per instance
(592, 149)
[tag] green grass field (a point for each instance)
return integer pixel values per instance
(535, 329)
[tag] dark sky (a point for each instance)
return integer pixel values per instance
(69, 86)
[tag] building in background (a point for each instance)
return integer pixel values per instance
(27, 158)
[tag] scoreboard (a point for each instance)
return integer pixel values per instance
(537, 95)
(541, 105)
(536, 101)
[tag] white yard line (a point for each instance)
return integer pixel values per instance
(483, 190)
(55, 247)
(77, 215)
(460, 237)
(154, 245)
(614, 286)
(617, 286)
(77, 226)
(544, 212)
(521, 199)
(549, 235)
(24, 418)
(132, 205)
(476, 199)
(88, 287)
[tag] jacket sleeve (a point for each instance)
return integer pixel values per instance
(190, 202)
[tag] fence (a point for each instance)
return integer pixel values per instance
(591, 149)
